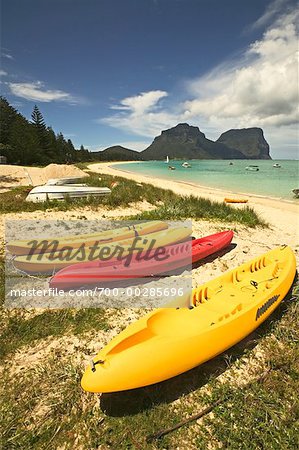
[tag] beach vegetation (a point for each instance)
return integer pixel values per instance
(43, 406)
(168, 205)
(201, 208)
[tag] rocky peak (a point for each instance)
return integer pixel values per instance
(249, 141)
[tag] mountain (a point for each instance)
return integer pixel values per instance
(249, 141)
(188, 142)
(117, 153)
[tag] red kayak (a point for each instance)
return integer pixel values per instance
(146, 264)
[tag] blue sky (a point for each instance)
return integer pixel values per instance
(108, 72)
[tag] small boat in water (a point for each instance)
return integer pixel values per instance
(277, 166)
(296, 192)
(45, 193)
(171, 167)
(252, 168)
(186, 165)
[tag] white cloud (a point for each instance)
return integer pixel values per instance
(141, 114)
(36, 91)
(3, 73)
(271, 11)
(141, 103)
(7, 55)
(260, 88)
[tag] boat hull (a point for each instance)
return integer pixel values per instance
(45, 193)
(144, 265)
(23, 247)
(169, 341)
(48, 263)
(235, 200)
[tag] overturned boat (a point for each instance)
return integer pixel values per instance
(64, 181)
(46, 192)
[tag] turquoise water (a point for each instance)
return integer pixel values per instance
(268, 181)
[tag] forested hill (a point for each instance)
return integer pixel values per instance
(33, 142)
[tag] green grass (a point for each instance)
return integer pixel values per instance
(43, 407)
(169, 206)
(19, 331)
(201, 208)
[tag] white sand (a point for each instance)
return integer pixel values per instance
(12, 176)
(283, 216)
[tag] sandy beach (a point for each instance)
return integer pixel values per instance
(283, 216)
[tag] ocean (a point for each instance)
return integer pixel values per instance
(268, 181)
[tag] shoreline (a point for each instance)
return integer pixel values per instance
(204, 187)
(282, 216)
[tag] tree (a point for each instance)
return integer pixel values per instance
(38, 120)
(24, 142)
(8, 115)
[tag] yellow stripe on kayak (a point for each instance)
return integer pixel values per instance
(48, 263)
(22, 247)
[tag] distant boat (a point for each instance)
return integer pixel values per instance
(44, 193)
(186, 165)
(276, 165)
(253, 168)
(167, 160)
(230, 164)
(296, 192)
(171, 167)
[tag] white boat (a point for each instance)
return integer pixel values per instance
(296, 192)
(276, 165)
(44, 193)
(252, 168)
(186, 165)
(167, 160)
(63, 181)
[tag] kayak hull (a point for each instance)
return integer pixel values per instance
(24, 247)
(235, 200)
(144, 265)
(169, 341)
(48, 263)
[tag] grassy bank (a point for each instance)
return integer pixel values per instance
(42, 405)
(169, 206)
(43, 354)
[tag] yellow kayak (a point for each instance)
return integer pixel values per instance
(51, 262)
(23, 247)
(235, 200)
(170, 341)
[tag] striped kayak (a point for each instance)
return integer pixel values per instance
(49, 263)
(217, 315)
(147, 264)
(25, 246)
